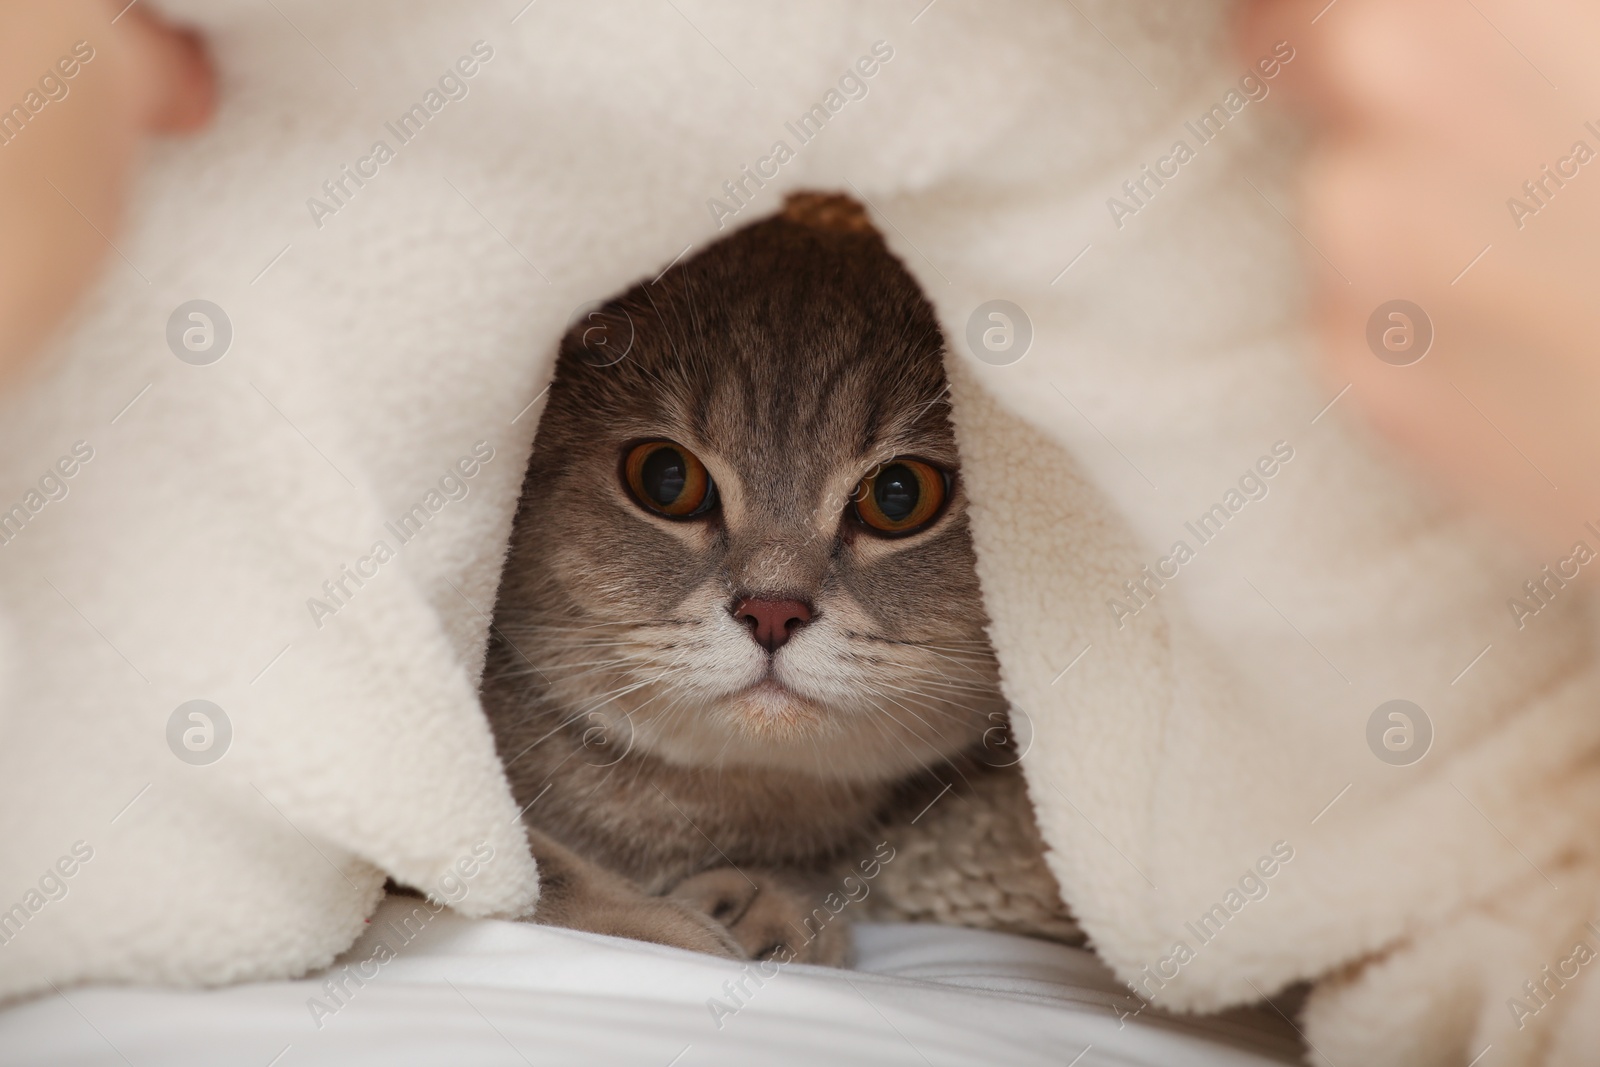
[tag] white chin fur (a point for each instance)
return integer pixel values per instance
(822, 705)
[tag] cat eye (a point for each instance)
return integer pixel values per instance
(668, 479)
(901, 497)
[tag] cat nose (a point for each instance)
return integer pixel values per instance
(771, 622)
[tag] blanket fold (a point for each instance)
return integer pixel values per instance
(1206, 582)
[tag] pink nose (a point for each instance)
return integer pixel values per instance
(772, 622)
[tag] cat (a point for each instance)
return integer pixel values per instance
(739, 621)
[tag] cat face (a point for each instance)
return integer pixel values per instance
(745, 540)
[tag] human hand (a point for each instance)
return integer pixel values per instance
(69, 142)
(1431, 117)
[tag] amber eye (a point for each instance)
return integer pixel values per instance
(901, 497)
(668, 479)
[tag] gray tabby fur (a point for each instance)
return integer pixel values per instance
(671, 795)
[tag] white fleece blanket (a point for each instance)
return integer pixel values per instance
(398, 210)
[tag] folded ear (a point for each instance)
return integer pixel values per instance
(833, 212)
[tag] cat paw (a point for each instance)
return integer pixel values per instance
(663, 921)
(771, 917)
(581, 895)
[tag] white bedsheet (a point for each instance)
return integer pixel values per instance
(484, 993)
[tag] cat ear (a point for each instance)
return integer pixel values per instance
(831, 212)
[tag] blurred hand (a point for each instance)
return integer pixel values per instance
(65, 168)
(1431, 116)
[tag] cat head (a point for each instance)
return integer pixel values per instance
(743, 534)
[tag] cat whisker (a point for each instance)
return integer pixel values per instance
(577, 715)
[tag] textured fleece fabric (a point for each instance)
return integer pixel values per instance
(1199, 759)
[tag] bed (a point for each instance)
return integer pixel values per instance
(487, 992)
